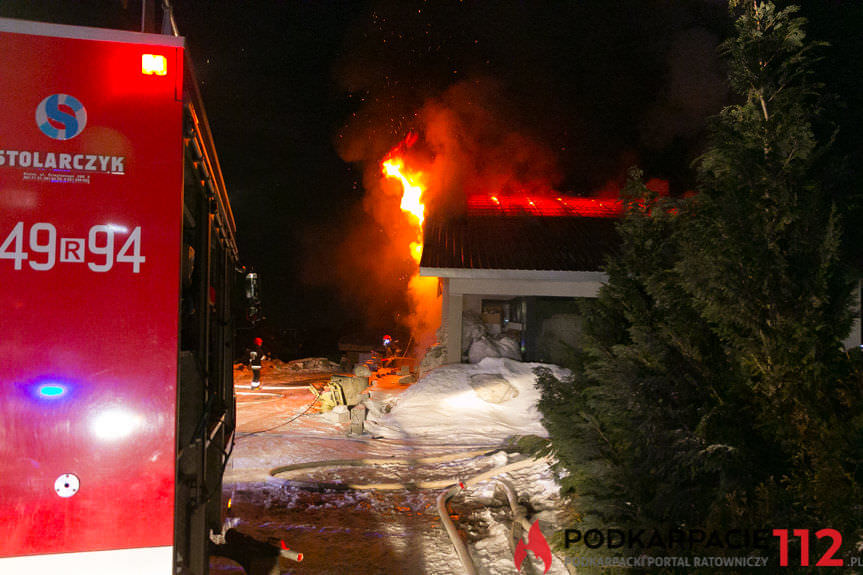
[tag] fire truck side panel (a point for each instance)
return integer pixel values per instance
(91, 175)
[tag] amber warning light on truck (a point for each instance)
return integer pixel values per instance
(154, 65)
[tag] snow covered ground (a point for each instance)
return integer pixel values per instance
(482, 403)
(446, 428)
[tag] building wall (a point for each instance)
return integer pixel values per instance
(461, 294)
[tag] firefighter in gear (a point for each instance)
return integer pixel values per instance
(255, 357)
(391, 348)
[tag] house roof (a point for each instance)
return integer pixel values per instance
(522, 242)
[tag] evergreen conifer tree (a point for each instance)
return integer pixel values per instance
(712, 389)
(761, 262)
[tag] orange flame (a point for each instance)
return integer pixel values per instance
(411, 183)
(417, 251)
(425, 303)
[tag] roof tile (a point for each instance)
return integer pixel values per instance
(519, 243)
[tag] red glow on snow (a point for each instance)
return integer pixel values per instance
(512, 205)
(602, 203)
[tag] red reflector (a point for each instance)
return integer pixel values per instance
(154, 64)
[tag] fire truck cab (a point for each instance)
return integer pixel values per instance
(120, 278)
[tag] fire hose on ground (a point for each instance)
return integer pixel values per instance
(460, 547)
(450, 489)
(256, 557)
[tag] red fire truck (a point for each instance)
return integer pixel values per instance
(118, 277)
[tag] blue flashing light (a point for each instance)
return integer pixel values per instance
(47, 390)
(52, 390)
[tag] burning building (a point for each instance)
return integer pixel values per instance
(501, 274)
(514, 267)
(474, 236)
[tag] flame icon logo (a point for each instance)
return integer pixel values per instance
(535, 542)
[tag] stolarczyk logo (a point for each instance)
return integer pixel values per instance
(535, 542)
(61, 116)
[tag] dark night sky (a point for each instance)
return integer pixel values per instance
(304, 97)
(294, 89)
